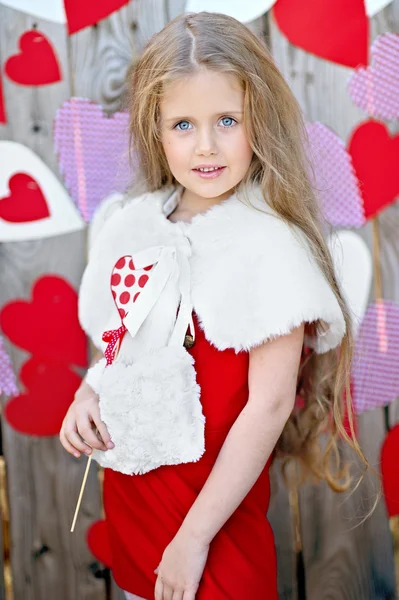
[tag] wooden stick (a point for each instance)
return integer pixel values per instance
(81, 491)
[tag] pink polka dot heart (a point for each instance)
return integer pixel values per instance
(127, 282)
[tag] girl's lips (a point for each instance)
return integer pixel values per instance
(210, 174)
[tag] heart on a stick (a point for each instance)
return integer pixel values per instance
(36, 64)
(127, 282)
(50, 389)
(97, 538)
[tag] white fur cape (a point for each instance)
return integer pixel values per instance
(251, 278)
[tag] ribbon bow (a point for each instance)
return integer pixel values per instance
(114, 337)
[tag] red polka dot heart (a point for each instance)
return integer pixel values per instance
(127, 282)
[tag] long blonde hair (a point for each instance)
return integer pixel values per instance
(276, 132)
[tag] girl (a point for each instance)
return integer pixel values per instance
(220, 282)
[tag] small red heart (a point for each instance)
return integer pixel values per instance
(375, 157)
(97, 539)
(47, 327)
(50, 390)
(127, 282)
(390, 470)
(83, 14)
(26, 201)
(36, 64)
(336, 30)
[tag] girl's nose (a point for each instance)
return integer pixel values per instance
(206, 144)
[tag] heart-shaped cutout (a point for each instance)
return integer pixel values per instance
(127, 282)
(375, 370)
(375, 157)
(50, 390)
(25, 202)
(33, 203)
(390, 470)
(375, 89)
(81, 15)
(92, 152)
(97, 538)
(48, 326)
(36, 64)
(336, 30)
(335, 178)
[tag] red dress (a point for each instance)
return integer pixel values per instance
(144, 512)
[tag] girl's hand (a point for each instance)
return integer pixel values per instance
(82, 417)
(180, 570)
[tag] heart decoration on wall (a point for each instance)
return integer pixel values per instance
(48, 326)
(77, 15)
(50, 389)
(375, 89)
(335, 178)
(37, 62)
(97, 539)
(8, 381)
(390, 470)
(33, 203)
(375, 157)
(93, 152)
(336, 30)
(242, 11)
(375, 370)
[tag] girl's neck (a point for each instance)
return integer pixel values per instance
(192, 204)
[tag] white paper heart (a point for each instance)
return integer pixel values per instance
(63, 216)
(353, 265)
(239, 9)
(42, 9)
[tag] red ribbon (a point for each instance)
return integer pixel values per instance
(113, 337)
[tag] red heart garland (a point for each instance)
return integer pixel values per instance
(98, 542)
(50, 390)
(26, 201)
(375, 157)
(47, 327)
(336, 30)
(390, 470)
(83, 14)
(36, 64)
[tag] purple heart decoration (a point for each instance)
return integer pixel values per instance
(8, 382)
(93, 152)
(334, 178)
(375, 89)
(375, 370)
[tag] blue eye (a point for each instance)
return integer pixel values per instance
(230, 121)
(182, 126)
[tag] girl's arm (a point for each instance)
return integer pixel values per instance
(272, 379)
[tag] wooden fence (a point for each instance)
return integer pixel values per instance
(47, 561)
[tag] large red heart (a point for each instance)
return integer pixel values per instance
(50, 390)
(390, 470)
(25, 202)
(375, 157)
(82, 14)
(127, 283)
(336, 30)
(98, 541)
(47, 327)
(36, 64)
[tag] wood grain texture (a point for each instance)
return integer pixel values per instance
(342, 561)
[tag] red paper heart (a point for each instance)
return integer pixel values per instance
(336, 30)
(375, 157)
(47, 327)
(50, 390)
(3, 117)
(26, 201)
(83, 14)
(98, 541)
(390, 470)
(36, 64)
(127, 283)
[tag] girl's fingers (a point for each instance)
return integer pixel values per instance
(102, 429)
(158, 594)
(167, 592)
(177, 595)
(188, 596)
(68, 447)
(86, 431)
(74, 438)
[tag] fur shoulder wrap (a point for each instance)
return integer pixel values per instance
(249, 277)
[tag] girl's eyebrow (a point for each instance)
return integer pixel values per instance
(225, 112)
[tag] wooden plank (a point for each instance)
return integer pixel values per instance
(344, 563)
(43, 480)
